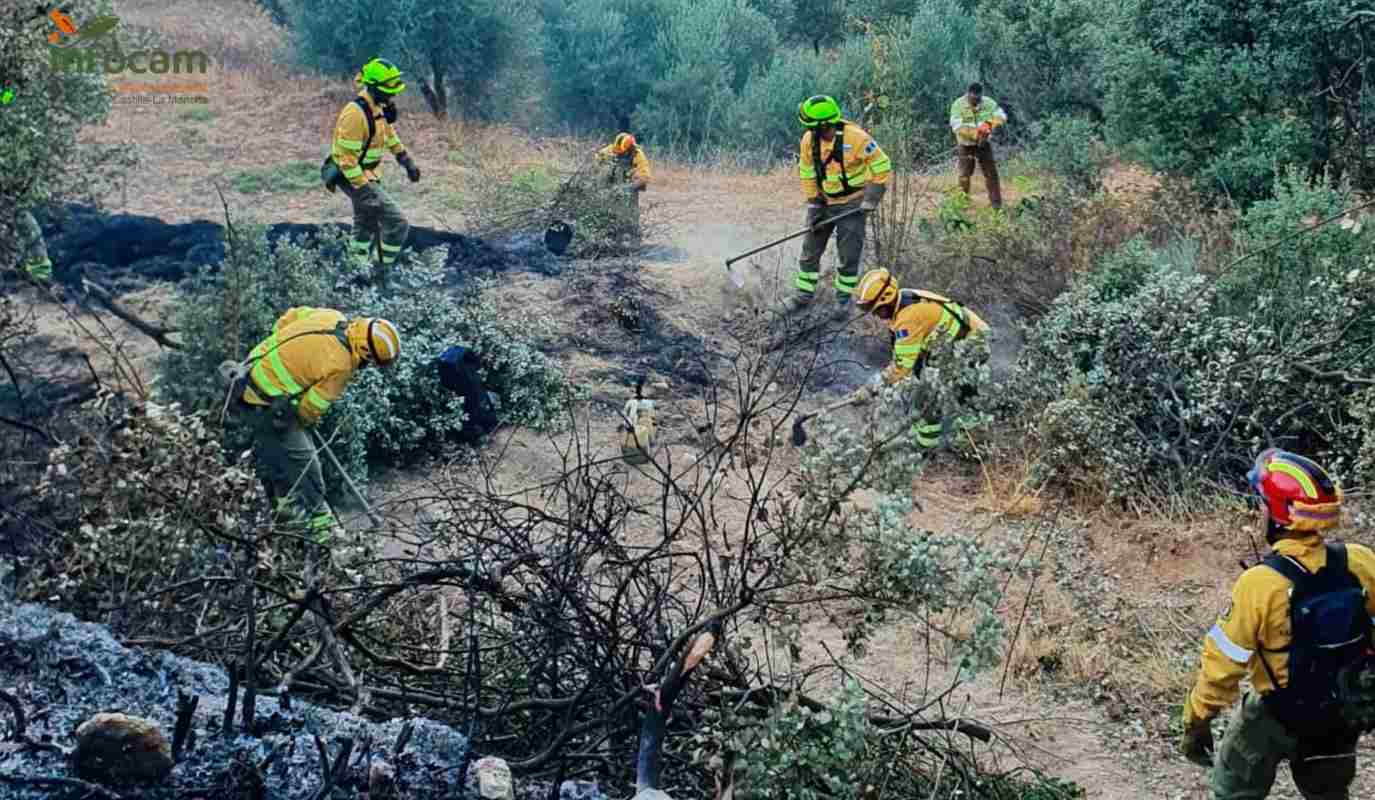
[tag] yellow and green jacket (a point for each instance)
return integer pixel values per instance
(1256, 625)
(864, 163)
(304, 359)
(355, 155)
(921, 314)
(633, 167)
(965, 119)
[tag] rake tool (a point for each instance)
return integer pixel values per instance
(739, 280)
(372, 515)
(800, 434)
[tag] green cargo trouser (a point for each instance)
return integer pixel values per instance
(288, 466)
(849, 244)
(33, 259)
(1255, 743)
(376, 216)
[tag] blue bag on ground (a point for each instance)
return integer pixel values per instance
(460, 370)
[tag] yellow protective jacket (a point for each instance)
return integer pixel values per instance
(921, 314)
(864, 163)
(305, 360)
(965, 119)
(1258, 619)
(355, 155)
(633, 167)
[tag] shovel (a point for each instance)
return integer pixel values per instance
(739, 280)
(800, 434)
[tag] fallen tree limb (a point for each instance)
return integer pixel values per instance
(157, 333)
(1335, 375)
(90, 789)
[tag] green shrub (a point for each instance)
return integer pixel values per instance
(293, 176)
(1147, 375)
(386, 416)
(1070, 148)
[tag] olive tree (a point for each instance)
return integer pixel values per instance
(44, 161)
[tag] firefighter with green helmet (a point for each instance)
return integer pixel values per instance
(364, 130)
(842, 169)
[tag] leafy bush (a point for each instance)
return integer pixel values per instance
(1070, 148)
(1173, 379)
(41, 124)
(604, 223)
(395, 415)
(121, 504)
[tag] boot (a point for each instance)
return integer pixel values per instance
(798, 302)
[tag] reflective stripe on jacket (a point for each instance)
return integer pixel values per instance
(632, 167)
(921, 314)
(865, 162)
(303, 360)
(965, 119)
(1258, 618)
(357, 156)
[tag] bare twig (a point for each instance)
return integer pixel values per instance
(157, 333)
(71, 784)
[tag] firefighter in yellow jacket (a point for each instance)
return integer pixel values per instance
(358, 156)
(842, 170)
(1294, 711)
(629, 168)
(916, 318)
(293, 377)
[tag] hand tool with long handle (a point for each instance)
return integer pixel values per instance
(800, 435)
(739, 280)
(376, 520)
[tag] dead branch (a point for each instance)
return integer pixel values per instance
(157, 333)
(1335, 375)
(31, 429)
(186, 713)
(90, 789)
(332, 775)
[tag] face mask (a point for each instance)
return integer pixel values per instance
(389, 112)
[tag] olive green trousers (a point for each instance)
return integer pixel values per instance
(1254, 745)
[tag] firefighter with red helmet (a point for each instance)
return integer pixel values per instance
(1299, 627)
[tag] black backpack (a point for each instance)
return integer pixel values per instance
(459, 371)
(1331, 645)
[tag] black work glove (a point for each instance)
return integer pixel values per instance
(412, 171)
(814, 212)
(1197, 743)
(873, 193)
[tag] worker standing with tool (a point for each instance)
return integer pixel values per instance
(972, 119)
(917, 320)
(843, 170)
(1299, 627)
(288, 383)
(365, 128)
(630, 169)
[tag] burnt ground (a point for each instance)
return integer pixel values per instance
(63, 671)
(130, 252)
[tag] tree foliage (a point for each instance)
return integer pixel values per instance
(44, 159)
(456, 50)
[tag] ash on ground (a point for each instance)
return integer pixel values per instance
(64, 671)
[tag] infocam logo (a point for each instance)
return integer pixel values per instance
(94, 48)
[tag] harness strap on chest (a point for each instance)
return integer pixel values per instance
(838, 156)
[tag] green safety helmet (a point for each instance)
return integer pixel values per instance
(818, 110)
(383, 75)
